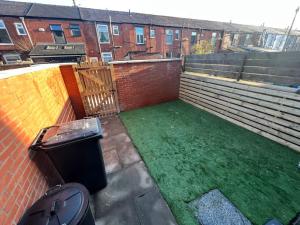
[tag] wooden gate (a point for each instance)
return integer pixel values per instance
(97, 88)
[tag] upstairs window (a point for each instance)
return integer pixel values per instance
(116, 30)
(177, 34)
(194, 38)
(58, 34)
(139, 34)
(4, 36)
(75, 30)
(20, 29)
(152, 33)
(103, 33)
(169, 37)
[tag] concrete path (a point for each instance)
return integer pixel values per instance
(131, 197)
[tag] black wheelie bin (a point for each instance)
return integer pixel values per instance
(62, 205)
(74, 150)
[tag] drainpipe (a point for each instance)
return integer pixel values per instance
(112, 38)
(23, 22)
(99, 46)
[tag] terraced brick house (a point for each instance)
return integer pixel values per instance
(51, 33)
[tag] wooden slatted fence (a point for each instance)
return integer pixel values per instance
(278, 68)
(269, 110)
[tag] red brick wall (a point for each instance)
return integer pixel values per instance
(20, 42)
(29, 102)
(147, 83)
(127, 41)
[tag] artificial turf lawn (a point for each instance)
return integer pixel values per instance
(189, 152)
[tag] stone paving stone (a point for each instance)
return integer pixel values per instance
(122, 185)
(122, 213)
(128, 155)
(153, 210)
(213, 208)
(111, 161)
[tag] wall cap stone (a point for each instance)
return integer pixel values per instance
(19, 71)
(145, 61)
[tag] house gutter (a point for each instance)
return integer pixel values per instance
(23, 22)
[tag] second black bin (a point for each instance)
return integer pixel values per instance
(75, 151)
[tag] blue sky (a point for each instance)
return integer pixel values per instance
(273, 13)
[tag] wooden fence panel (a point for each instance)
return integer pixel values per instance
(269, 110)
(277, 68)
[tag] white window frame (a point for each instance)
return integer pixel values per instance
(152, 30)
(4, 28)
(102, 56)
(117, 28)
(136, 36)
(169, 32)
(99, 35)
(72, 29)
(22, 27)
(177, 32)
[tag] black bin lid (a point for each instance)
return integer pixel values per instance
(74, 130)
(63, 205)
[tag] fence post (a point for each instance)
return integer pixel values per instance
(240, 76)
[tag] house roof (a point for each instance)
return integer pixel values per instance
(53, 11)
(8, 8)
(11, 8)
(57, 49)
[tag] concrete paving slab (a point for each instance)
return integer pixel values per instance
(122, 213)
(123, 185)
(153, 210)
(111, 161)
(213, 208)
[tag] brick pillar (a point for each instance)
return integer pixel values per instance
(68, 75)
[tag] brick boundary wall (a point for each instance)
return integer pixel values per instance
(146, 82)
(28, 102)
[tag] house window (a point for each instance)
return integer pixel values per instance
(4, 36)
(75, 30)
(58, 34)
(169, 37)
(177, 34)
(139, 34)
(106, 56)
(214, 39)
(103, 33)
(152, 33)
(20, 29)
(194, 38)
(12, 58)
(169, 55)
(116, 30)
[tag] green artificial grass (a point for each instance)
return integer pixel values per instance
(189, 152)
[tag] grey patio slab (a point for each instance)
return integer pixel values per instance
(153, 210)
(123, 185)
(111, 161)
(213, 208)
(122, 213)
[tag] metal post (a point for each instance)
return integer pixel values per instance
(288, 34)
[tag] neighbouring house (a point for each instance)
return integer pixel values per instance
(15, 43)
(51, 33)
